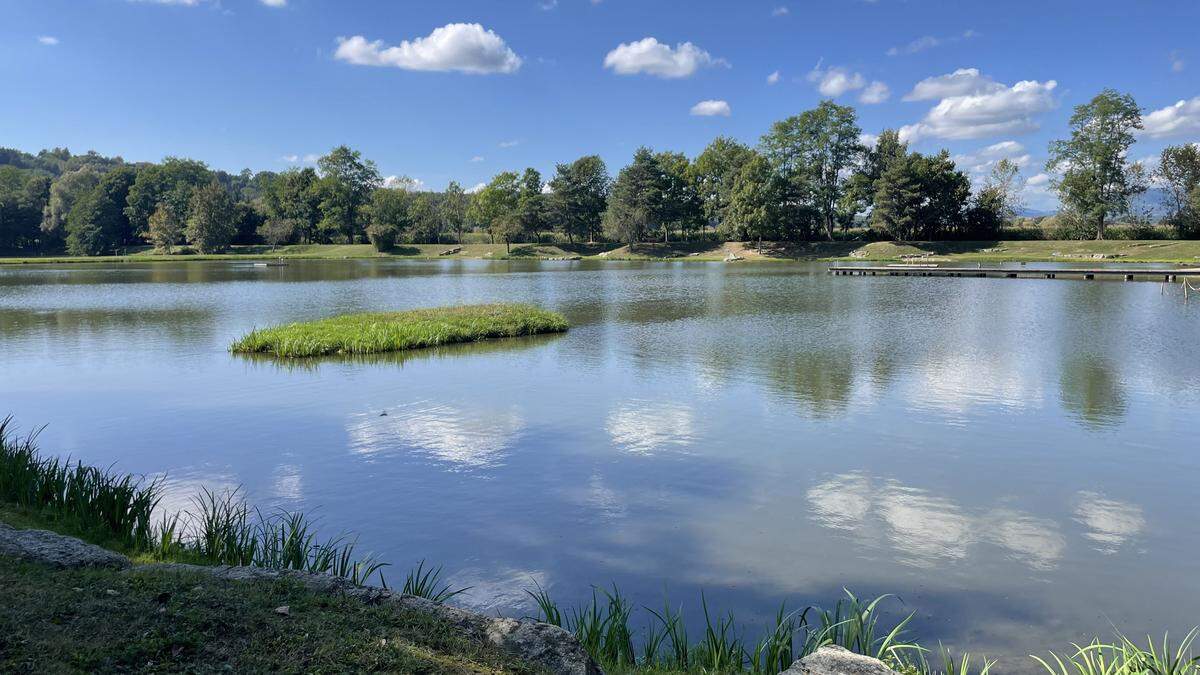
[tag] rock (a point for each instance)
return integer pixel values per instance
(56, 550)
(283, 610)
(543, 645)
(833, 660)
(111, 593)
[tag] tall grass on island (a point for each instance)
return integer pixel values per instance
(379, 332)
(121, 511)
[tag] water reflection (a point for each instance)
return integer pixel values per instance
(927, 530)
(1092, 391)
(463, 439)
(1110, 523)
(646, 427)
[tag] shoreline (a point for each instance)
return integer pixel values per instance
(1164, 251)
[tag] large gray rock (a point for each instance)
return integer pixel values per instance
(56, 550)
(833, 660)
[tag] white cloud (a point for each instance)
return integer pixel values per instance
(548, 5)
(651, 57)
(462, 47)
(274, 3)
(868, 140)
(834, 82)
(712, 109)
(975, 106)
(310, 158)
(774, 78)
(781, 10)
(475, 188)
(404, 183)
(979, 163)
(929, 42)
(291, 159)
(876, 92)
(962, 82)
(181, 3)
(509, 144)
(477, 158)
(1177, 62)
(1174, 120)
(48, 40)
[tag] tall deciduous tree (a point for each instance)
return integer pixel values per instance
(98, 223)
(816, 151)
(713, 174)
(452, 210)
(679, 205)
(347, 181)
(579, 197)
(172, 181)
(496, 207)
(165, 229)
(210, 225)
(755, 203)
(1097, 180)
(888, 148)
(635, 203)
(531, 204)
(293, 195)
(64, 192)
(1179, 173)
(920, 197)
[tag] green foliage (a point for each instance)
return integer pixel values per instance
(210, 224)
(98, 223)
(920, 197)
(23, 196)
(278, 231)
(1097, 180)
(531, 204)
(64, 192)
(495, 206)
(293, 195)
(714, 172)
(815, 151)
(172, 181)
(1179, 173)
(424, 582)
(579, 197)
(347, 181)
(452, 210)
(165, 229)
(1124, 657)
(396, 331)
(755, 203)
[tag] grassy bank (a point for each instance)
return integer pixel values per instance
(170, 621)
(1160, 251)
(376, 333)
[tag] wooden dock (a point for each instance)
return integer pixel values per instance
(1023, 272)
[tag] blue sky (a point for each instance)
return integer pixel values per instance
(266, 83)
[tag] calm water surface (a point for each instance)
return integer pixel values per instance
(1016, 459)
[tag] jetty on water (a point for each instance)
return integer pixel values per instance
(1023, 272)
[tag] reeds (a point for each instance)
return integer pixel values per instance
(117, 510)
(1124, 657)
(379, 332)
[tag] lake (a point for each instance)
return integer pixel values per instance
(1017, 460)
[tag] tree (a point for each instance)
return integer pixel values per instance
(347, 181)
(172, 181)
(64, 192)
(713, 173)
(496, 207)
(293, 195)
(97, 223)
(424, 224)
(579, 197)
(389, 217)
(920, 197)
(635, 202)
(1179, 173)
(679, 205)
(164, 229)
(531, 204)
(1097, 180)
(23, 196)
(860, 192)
(210, 225)
(277, 231)
(754, 203)
(815, 151)
(452, 210)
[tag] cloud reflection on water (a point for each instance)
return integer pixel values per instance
(928, 530)
(473, 439)
(646, 428)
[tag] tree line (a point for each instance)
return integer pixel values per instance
(810, 177)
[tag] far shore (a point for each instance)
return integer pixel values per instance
(1178, 251)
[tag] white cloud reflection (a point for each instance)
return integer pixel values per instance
(928, 530)
(466, 439)
(1110, 523)
(646, 428)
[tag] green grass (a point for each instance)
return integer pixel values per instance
(1178, 251)
(376, 333)
(154, 620)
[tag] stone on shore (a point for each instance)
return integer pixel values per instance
(55, 550)
(833, 660)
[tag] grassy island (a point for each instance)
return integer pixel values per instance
(378, 332)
